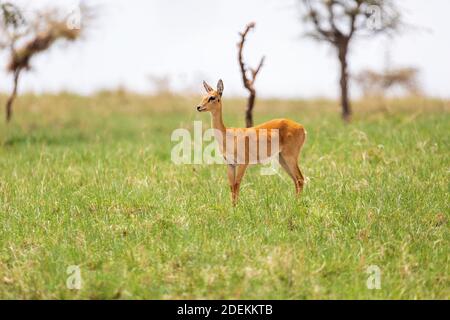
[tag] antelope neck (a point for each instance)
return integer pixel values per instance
(217, 122)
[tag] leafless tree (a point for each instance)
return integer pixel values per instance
(337, 22)
(375, 83)
(248, 81)
(26, 38)
(13, 27)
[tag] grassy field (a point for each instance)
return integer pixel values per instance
(88, 181)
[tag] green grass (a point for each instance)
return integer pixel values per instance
(88, 181)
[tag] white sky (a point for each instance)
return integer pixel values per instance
(132, 40)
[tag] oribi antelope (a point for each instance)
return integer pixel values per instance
(290, 137)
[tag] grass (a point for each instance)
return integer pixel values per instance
(88, 181)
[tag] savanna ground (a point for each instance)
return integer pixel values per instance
(88, 181)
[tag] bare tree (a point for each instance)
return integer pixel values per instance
(338, 21)
(26, 38)
(248, 82)
(374, 83)
(13, 27)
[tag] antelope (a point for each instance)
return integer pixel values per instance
(283, 137)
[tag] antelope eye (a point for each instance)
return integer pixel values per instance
(211, 99)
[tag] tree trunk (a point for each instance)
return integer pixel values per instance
(11, 98)
(345, 102)
(249, 111)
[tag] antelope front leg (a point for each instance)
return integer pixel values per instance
(240, 170)
(231, 180)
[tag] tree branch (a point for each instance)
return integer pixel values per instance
(314, 16)
(247, 81)
(353, 15)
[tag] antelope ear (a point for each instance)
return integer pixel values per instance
(220, 87)
(207, 87)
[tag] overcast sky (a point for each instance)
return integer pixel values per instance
(132, 41)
